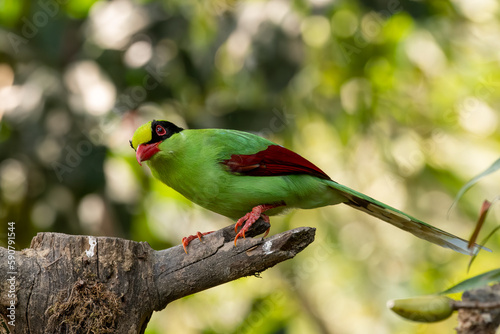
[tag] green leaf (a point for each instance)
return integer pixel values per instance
(475, 282)
(493, 168)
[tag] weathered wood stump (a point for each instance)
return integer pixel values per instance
(482, 316)
(84, 284)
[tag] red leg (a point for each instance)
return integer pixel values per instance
(251, 217)
(188, 239)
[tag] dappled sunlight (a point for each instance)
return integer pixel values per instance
(344, 23)
(315, 31)
(13, 177)
(356, 95)
(20, 101)
(478, 11)
(449, 154)
(396, 100)
(408, 154)
(121, 184)
(43, 215)
(92, 90)
(112, 24)
(423, 51)
(138, 54)
(91, 212)
(477, 117)
(48, 150)
(7, 101)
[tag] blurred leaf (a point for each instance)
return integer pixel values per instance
(10, 11)
(493, 168)
(484, 211)
(422, 309)
(79, 9)
(475, 282)
(482, 216)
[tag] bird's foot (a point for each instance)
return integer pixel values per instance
(188, 239)
(250, 218)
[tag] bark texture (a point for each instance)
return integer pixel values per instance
(83, 284)
(483, 314)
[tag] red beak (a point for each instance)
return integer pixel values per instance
(146, 151)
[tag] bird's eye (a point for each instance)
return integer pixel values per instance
(160, 130)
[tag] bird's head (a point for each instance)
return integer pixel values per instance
(148, 136)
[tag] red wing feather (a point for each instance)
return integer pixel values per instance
(273, 161)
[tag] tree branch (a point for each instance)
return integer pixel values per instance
(62, 279)
(479, 311)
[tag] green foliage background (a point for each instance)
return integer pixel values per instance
(397, 99)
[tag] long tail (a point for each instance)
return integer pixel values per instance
(405, 222)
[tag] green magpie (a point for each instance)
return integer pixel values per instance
(244, 177)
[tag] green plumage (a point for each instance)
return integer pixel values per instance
(191, 162)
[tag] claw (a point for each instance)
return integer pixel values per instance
(240, 221)
(251, 217)
(186, 240)
(267, 232)
(239, 235)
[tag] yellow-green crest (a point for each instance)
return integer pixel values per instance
(141, 135)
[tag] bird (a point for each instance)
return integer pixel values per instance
(245, 177)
